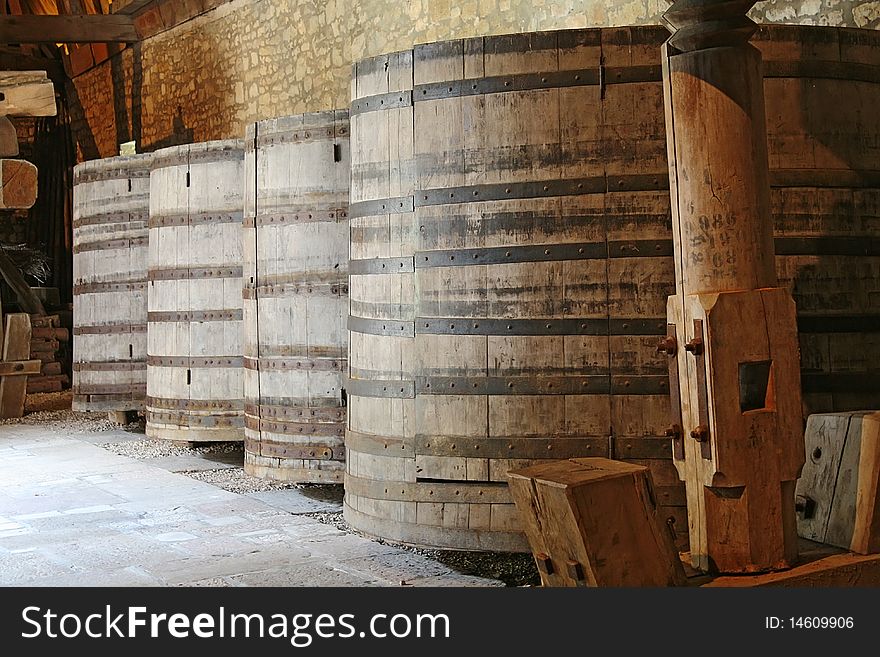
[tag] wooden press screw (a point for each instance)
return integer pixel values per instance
(700, 434)
(667, 345)
(695, 346)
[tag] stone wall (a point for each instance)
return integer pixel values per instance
(253, 59)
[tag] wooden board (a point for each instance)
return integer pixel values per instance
(8, 138)
(111, 200)
(463, 122)
(16, 347)
(194, 321)
(595, 522)
(67, 28)
(26, 93)
(839, 503)
(296, 296)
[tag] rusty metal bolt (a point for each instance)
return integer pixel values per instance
(695, 346)
(673, 432)
(700, 434)
(667, 345)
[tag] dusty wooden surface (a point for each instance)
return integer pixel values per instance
(111, 200)
(194, 332)
(15, 355)
(296, 296)
(18, 184)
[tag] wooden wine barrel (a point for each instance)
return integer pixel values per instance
(511, 259)
(296, 296)
(194, 326)
(111, 201)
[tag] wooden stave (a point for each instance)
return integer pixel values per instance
(854, 45)
(111, 201)
(274, 450)
(215, 279)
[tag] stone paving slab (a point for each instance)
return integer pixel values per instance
(75, 514)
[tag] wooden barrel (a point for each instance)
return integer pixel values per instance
(511, 259)
(194, 325)
(111, 201)
(296, 296)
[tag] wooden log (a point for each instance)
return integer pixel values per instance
(44, 384)
(19, 184)
(194, 333)
(85, 28)
(45, 321)
(295, 273)
(16, 345)
(8, 138)
(50, 368)
(594, 522)
(44, 345)
(55, 335)
(111, 200)
(838, 497)
(26, 93)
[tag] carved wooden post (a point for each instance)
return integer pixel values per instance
(738, 440)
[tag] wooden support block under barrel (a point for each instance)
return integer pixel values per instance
(594, 522)
(18, 184)
(15, 366)
(838, 500)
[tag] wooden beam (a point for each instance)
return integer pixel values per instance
(129, 7)
(27, 300)
(8, 138)
(15, 59)
(26, 93)
(16, 348)
(18, 184)
(68, 29)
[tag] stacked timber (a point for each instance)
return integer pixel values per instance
(48, 338)
(194, 321)
(110, 212)
(511, 259)
(296, 296)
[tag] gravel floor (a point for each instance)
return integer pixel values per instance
(150, 449)
(52, 410)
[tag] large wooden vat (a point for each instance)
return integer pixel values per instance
(296, 296)
(111, 200)
(194, 325)
(511, 260)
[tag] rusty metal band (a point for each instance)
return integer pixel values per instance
(828, 178)
(845, 246)
(320, 289)
(113, 286)
(109, 218)
(288, 428)
(540, 189)
(301, 135)
(383, 389)
(111, 389)
(539, 327)
(194, 361)
(195, 404)
(199, 219)
(381, 327)
(534, 81)
(219, 152)
(397, 205)
(841, 382)
(80, 177)
(326, 450)
(393, 446)
(297, 351)
(107, 245)
(130, 366)
(839, 324)
(109, 329)
(176, 156)
(203, 421)
(295, 364)
(544, 253)
(386, 101)
(403, 265)
(558, 447)
(306, 216)
(542, 385)
(295, 413)
(462, 492)
(829, 70)
(196, 316)
(192, 273)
